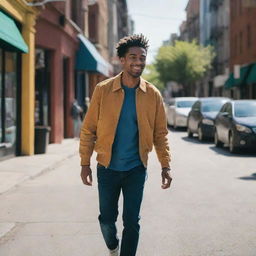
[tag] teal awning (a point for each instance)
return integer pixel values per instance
(89, 59)
(10, 36)
(230, 81)
(243, 75)
(251, 78)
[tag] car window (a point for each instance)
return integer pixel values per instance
(212, 106)
(245, 109)
(224, 108)
(184, 104)
(229, 109)
(196, 106)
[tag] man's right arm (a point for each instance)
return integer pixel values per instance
(89, 128)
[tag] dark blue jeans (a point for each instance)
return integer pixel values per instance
(110, 184)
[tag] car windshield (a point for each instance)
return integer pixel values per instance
(245, 109)
(185, 104)
(212, 106)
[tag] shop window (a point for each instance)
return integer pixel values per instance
(8, 98)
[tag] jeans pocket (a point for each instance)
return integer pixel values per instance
(100, 167)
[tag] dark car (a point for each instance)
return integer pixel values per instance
(235, 125)
(202, 115)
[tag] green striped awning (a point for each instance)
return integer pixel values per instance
(10, 36)
(251, 78)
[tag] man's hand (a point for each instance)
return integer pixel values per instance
(166, 178)
(86, 175)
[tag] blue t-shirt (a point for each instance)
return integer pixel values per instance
(125, 149)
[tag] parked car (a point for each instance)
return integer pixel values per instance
(235, 125)
(202, 115)
(178, 109)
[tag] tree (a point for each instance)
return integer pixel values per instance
(184, 62)
(151, 75)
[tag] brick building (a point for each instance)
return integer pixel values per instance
(242, 64)
(192, 22)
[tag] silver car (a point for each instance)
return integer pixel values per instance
(177, 111)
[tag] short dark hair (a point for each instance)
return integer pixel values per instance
(131, 41)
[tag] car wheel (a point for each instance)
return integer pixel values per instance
(232, 147)
(200, 133)
(217, 142)
(190, 134)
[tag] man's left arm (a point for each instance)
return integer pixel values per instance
(161, 142)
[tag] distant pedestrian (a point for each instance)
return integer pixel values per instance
(76, 113)
(125, 119)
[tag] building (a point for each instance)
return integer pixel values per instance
(242, 65)
(17, 87)
(69, 64)
(219, 39)
(119, 26)
(55, 64)
(183, 31)
(192, 21)
(204, 22)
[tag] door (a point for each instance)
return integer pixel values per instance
(66, 111)
(8, 102)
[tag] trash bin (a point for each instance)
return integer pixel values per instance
(41, 139)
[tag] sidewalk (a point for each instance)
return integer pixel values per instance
(18, 169)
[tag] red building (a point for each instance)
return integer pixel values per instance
(242, 80)
(68, 65)
(56, 46)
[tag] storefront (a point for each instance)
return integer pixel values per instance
(16, 78)
(11, 46)
(55, 73)
(91, 69)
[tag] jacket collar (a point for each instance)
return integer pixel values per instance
(117, 83)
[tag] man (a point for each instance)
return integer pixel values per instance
(125, 119)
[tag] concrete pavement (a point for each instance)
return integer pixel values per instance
(209, 210)
(15, 171)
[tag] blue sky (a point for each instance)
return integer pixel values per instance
(157, 19)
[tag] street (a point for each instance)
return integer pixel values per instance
(209, 210)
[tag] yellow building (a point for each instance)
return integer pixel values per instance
(17, 86)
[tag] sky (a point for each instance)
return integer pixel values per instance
(157, 20)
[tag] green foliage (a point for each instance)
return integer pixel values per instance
(151, 75)
(184, 62)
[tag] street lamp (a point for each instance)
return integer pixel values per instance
(42, 3)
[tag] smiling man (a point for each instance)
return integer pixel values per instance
(125, 119)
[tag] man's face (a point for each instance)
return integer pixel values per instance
(134, 61)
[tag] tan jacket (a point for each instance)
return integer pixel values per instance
(100, 123)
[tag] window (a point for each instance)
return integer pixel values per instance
(8, 97)
(249, 36)
(235, 46)
(93, 23)
(241, 42)
(196, 106)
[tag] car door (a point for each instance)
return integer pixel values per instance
(194, 116)
(219, 122)
(227, 122)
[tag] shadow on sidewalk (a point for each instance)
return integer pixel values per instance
(252, 177)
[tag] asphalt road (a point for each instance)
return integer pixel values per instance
(210, 209)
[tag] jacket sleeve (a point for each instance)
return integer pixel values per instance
(89, 128)
(160, 134)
